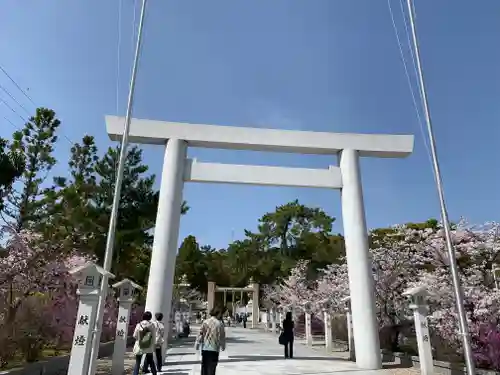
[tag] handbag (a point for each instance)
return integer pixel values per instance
(199, 342)
(282, 339)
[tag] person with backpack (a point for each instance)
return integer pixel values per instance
(145, 343)
(160, 340)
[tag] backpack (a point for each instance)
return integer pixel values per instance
(145, 338)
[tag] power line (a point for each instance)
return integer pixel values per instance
(14, 99)
(133, 24)
(15, 83)
(408, 40)
(120, 3)
(12, 109)
(18, 103)
(10, 122)
(408, 78)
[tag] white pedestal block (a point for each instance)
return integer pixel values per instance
(423, 341)
(126, 294)
(273, 320)
(120, 346)
(350, 336)
(328, 331)
(309, 338)
(255, 305)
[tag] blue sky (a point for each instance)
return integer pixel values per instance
(319, 65)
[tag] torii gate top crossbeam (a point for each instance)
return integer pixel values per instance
(258, 139)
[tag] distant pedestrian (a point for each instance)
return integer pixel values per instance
(288, 335)
(145, 343)
(244, 320)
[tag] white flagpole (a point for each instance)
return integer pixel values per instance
(110, 241)
(459, 296)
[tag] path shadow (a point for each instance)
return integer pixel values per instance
(176, 372)
(183, 342)
(180, 353)
(396, 365)
(257, 358)
(238, 340)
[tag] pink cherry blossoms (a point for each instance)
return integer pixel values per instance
(406, 257)
(39, 295)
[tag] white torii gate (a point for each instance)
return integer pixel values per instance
(177, 169)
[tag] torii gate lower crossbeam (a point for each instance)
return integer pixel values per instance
(346, 177)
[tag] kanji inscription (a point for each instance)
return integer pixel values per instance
(83, 320)
(80, 340)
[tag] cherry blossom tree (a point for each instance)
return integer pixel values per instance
(296, 290)
(477, 249)
(30, 267)
(332, 287)
(406, 256)
(38, 294)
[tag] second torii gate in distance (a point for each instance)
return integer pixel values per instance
(252, 288)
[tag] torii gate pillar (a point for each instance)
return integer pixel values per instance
(255, 305)
(210, 296)
(364, 317)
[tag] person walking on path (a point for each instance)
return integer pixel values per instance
(160, 340)
(145, 343)
(211, 340)
(288, 334)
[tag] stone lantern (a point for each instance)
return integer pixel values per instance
(255, 302)
(418, 303)
(308, 315)
(350, 333)
(327, 318)
(89, 278)
(127, 291)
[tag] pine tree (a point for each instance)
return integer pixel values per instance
(35, 145)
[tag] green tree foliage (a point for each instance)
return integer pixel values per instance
(70, 205)
(292, 232)
(288, 226)
(35, 146)
(80, 207)
(191, 263)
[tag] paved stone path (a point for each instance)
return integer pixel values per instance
(252, 352)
